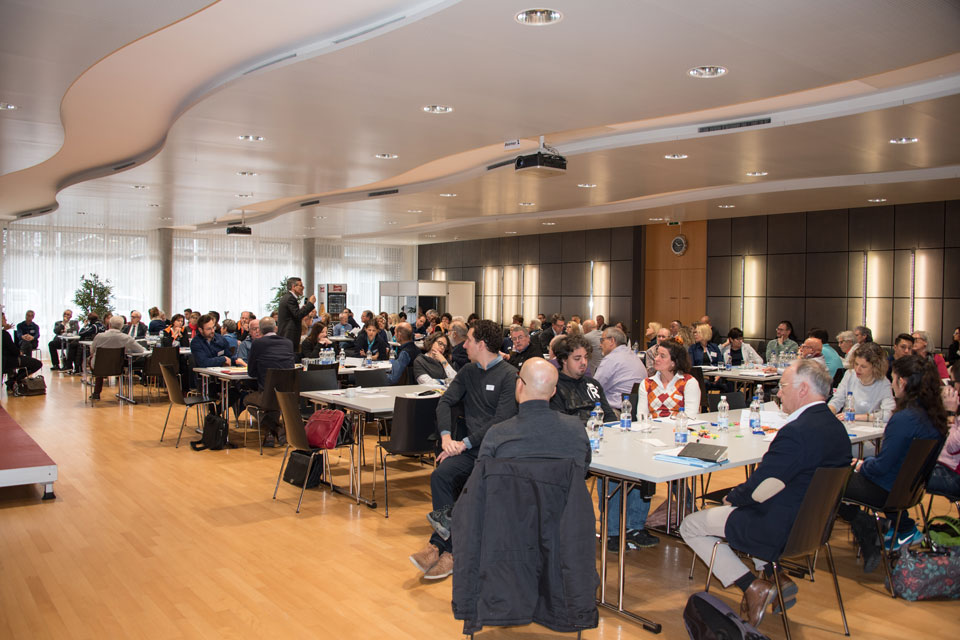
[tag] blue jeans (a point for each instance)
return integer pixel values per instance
(637, 510)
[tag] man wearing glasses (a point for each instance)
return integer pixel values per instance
(756, 516)
(620, 369)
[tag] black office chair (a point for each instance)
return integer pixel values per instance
(175, 393)
(697, 374)
(316, 380)
(333, 366)
(811, 530)
(734, 398)
(413, 434)
(371, 377)
(906, 492)
(929, 510)
(151, 369)
(107, 364)
(276, 380)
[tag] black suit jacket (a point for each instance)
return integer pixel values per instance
(269, 352)
(815, 439)
(288, 322)
(136, 332)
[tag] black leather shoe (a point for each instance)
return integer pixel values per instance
(94, 396)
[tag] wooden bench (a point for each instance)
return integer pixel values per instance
(22, 461)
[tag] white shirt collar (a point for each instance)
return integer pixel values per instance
(796, 414)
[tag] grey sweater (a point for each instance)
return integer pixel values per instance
(488, 398)
(866, 399)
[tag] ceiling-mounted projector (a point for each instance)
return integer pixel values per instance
(544, 163)
(240, 229)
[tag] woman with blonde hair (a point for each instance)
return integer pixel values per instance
(650, 335)
(868, 383)
(573, 329)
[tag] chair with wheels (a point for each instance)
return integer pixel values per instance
(811, 530)
(175, 394)
(413, 434)
(906, 493)
(276, 380)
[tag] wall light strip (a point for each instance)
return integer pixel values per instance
(863, 293)
(743, 278)
(913, 285)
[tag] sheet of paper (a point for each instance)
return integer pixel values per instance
(654, 442)
(772, 419)
(867, 431)
(377, 395)
(672, 423)
(672, 452)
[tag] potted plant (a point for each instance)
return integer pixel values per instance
(93, 294)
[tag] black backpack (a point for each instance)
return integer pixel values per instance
(709, 618)
(214, 437)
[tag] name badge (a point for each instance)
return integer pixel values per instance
(490, 387)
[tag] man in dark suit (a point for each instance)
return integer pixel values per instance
(270, 351)
(457, 337)
(291, 313)
(757, 515)
(557, 325)
(136, 329)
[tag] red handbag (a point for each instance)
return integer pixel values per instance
(323, 428)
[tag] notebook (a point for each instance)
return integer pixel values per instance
(704, 451)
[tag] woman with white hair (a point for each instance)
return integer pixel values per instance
(921, 346)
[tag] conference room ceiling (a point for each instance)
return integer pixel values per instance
(607, 86)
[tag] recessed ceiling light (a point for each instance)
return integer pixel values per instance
(414, 210)
(586, 185)
(100, 225)
(250, 138)
(676, 156)
(319, 217)
(527, 204)
(548, 224)
(6, 106)
(430, 235)
(756, 174)
(510, 233)
(244, 195)
(903, 140)
(877, 200)
(153, 204)
(140, 187)
(448, 195)
(311, 228)
(708, 71)
(657, 219)
(538, 17)
(246, 174)
(166, 218)
(386, 156)
(726, 206)
(81, 213)
(392, 222)
(438, 108)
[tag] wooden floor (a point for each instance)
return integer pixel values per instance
(148, 541)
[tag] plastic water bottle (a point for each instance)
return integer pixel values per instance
(343, 357)
(849, 410)
(680, 428)
(755, 426)
(723, 408)
(759, 394)
(597, 424)
(392, 355)
(598, 410)
(626, 413)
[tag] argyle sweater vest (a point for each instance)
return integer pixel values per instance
(665, 403)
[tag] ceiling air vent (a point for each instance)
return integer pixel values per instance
(125, 165)
(734, 125)
(385, 192)
(309, 204)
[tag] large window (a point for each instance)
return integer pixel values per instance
(361, 266)
(42, 267)
(230, 273)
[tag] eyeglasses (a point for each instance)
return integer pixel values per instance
(784, 384)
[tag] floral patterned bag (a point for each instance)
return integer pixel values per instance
(930, 572)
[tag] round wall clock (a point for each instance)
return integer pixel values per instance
(679, 245)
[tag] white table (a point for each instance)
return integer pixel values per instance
(376, 402)
(625, 458)
(226, 376)
(130, 357)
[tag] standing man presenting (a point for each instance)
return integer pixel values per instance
(291, 313)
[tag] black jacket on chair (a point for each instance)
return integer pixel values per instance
(815, 439)
(528, 554)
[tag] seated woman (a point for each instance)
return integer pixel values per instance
(173, 335)
(921, 346)
(382, 326)
(434, 365)
(669, 391)
(315, 341)
(369, 344)
(868, 383)
(737, 352)
(651, 333)
(919, 414)
(703, 352)
(945, 478)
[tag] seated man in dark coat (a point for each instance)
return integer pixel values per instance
(757, 515)
(577, 393)
(522, 347)
(271, 351)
